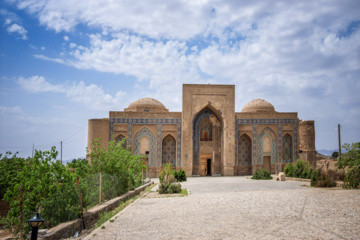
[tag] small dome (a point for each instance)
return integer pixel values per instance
(258, 105)
(146, 104)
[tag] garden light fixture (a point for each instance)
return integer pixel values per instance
(35, 223)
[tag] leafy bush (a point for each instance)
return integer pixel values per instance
(262, 174)
(321, 179)
(180, 175)
(352, 178)
(301, 169)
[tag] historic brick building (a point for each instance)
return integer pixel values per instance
(208, 137)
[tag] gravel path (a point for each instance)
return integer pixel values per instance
(240, 208)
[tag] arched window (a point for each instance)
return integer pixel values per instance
(287, 149)
(206, 130)
(169, 150)
(119, 139)
(244, 150)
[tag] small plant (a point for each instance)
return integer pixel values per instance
(180, 175)
(168, 180)
(262, 174)
(184, 192)
(102, 227)
(112, 220)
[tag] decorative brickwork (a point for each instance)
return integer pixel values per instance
(270, 133)
(169, 150)
(256, 139)
(279, 143)
(295, 134)
(244, 150)
(287, 149)
(158, 122)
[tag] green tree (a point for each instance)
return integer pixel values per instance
(351, 159)
(118, 161)
(335, 154)
(47, 185)
(9, 168)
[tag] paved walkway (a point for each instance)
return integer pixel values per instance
(240, 208)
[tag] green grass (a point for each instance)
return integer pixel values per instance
(105, 216)
(184, 192)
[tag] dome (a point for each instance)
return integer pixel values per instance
(258, 105)
(146, 105)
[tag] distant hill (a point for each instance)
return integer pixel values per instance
(327, 152)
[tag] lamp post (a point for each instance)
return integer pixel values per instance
(147, 164)
(35, 223)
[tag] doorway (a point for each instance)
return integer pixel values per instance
(208, 172)
(205, 164)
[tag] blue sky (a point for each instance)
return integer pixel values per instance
(63, 63)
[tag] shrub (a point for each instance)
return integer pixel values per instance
(321, 179)
(315, 176)
(262, 174)
(352, 178)
(180, 175)
(166, 171)
(168, 180)
(174, 188)
(301, 169)
(289, 169)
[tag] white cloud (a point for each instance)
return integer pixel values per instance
(92, 96)
(66, 38)
(155, 19)
(13, 23)
(15, 28)
(38, 84)
(58, 60)
(10, 110)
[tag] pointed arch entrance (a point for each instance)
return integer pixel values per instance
(207, 143)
